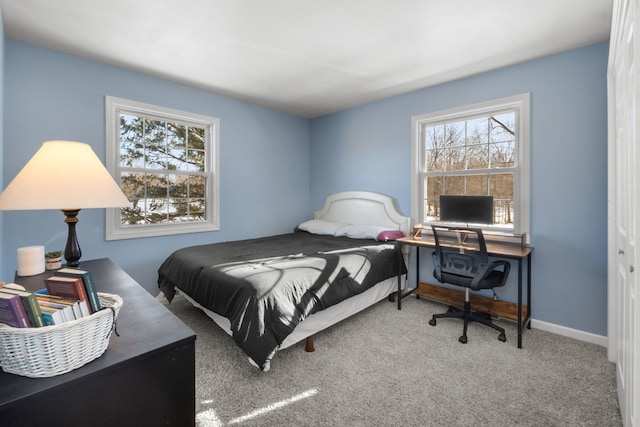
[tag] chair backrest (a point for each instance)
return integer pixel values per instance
(459, 251)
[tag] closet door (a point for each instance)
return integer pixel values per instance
(624, 308)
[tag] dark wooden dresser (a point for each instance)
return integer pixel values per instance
(146, 377)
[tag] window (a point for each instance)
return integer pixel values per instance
(476, 150)
(166, 162)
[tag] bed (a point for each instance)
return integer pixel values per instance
(269, 293)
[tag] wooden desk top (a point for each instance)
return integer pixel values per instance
(494, 249)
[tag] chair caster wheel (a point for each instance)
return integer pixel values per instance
(502, 337)
(432, 322)
(450, 309)
(463, 339)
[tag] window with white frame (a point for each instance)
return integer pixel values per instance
(476, 150)
(166, 162)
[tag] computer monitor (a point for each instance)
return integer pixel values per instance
(466, 209)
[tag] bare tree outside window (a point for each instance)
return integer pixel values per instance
(480, 149)
(474, 157)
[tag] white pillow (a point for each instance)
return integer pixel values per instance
(360, 231)
(320, 226)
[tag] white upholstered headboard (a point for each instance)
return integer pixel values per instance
(363, 207)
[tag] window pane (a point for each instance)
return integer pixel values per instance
(176, 159)
(197, 186)
(434, 137)
(197, 208)
(435, 160)
(477, 131)
(134, 215)
(454, 158)
(503, 127)
(445, 136)
(477, 157)
(433, 189)
(155, 132)
(196, 160)
(178, 185)
(454, 134)
(502, 155)
(155, 158)
(157, 210)
(453, 185)
(476, 185)
(131, 154)
(434, 186)
(156, 185)
(130, 128)
(176, 135)
(501, 188)
(178, 211)
(197, 138)
(132, 185)
(176, 147)
(501, 185)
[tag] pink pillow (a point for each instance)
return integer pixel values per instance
(387, 235)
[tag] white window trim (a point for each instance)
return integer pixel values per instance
(521, 103)
(114, 230)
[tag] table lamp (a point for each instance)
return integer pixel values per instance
(64, 175)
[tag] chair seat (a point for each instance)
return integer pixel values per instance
(493, 280)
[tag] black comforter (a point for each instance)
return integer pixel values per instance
(266, 286)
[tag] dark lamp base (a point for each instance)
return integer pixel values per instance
(72, 252)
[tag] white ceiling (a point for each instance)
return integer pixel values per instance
(309, 57)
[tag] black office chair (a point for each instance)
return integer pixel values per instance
(461, 259)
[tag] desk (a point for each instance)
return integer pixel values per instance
(146, 377)
(497, 250)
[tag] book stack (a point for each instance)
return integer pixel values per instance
(70, 294)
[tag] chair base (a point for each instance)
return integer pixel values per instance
(468, 316)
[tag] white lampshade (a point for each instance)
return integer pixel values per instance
(68, 176)
(63, 175)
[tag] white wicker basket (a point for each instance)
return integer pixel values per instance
(53, 350)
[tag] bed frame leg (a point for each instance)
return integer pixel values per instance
(309, 345)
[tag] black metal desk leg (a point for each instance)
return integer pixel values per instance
(400, 294)
(417, 267)
(519, 302)
(529, 291)
(400, 262)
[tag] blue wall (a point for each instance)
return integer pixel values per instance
(369, 148)
(276, 169)
(49, 95)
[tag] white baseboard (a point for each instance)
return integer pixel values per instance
(569, 332)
